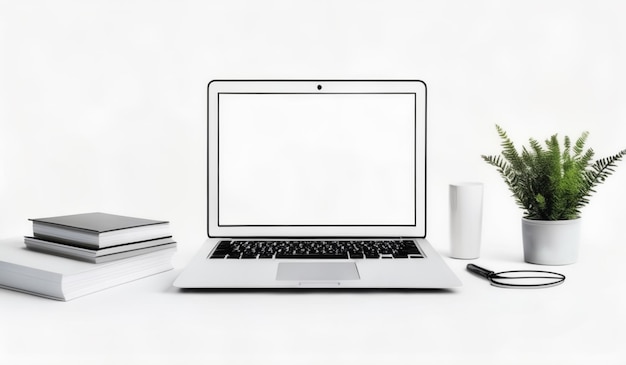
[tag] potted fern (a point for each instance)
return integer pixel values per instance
(551, 184)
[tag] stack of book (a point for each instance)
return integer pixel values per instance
(70, 256)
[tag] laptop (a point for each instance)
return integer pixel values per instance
(316, 184)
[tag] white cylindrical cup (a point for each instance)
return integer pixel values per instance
(466, 217)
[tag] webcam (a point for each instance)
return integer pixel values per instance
(319, 87)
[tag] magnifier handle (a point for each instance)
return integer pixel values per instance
(480, 271)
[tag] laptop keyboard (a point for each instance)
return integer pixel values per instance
(342, 249)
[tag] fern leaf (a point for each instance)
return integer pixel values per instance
(579, 146)
(508, 150)
(599, 172)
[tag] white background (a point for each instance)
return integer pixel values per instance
(103, 108)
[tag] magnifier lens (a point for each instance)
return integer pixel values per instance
(531, 279)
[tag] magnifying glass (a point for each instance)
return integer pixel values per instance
(519, 278)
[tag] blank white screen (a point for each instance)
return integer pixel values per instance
(316, 159)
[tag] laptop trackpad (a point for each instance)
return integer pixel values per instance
(317, 271)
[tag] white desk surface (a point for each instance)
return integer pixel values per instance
(150, 322)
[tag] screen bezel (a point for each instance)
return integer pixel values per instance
(312, 86)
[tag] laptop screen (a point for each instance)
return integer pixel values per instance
(316, 162)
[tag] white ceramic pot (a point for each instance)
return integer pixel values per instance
(551, 242)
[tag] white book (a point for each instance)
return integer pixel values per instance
(61, 278)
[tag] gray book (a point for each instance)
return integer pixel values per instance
(98, 230)
(99, 255)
